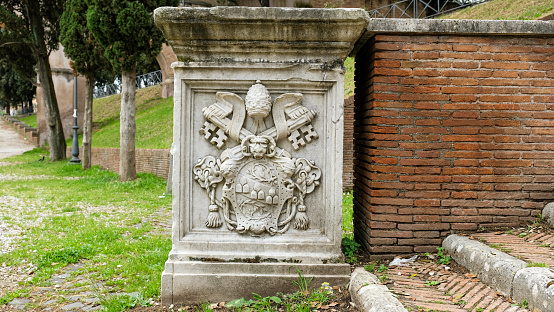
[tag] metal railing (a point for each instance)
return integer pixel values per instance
(142, 81)
(420, 8)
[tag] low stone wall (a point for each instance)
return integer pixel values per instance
(155, 161)
(28, 132)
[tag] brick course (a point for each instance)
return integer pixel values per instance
(155, 161)
(454, 133)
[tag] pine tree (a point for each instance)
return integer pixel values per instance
(126, 31)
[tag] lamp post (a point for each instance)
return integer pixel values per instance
(75, 146)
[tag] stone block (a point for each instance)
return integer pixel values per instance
(535, 286)
(258, 133)
(490, 265)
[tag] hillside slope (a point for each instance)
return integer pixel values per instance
(506, 10)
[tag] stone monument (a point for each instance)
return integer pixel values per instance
(258, 129)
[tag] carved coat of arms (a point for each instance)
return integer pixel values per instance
(262, 187)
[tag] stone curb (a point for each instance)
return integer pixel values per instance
(505, 273)
(370, 296)
(548, 214)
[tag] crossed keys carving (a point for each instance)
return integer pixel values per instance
(218, 127)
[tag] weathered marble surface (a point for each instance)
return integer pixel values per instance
(257, 149)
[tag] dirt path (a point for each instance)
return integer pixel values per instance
(11, 142)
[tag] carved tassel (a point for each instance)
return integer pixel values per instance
(214, 219)
(301, 220)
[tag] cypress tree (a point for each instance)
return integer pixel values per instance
(126, 31)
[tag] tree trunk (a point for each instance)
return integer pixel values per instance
(127, 130)
(8, 110)
(87, 124)
(56, 138)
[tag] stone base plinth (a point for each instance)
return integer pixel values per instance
(197, 282)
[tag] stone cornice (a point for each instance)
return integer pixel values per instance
(261, 34)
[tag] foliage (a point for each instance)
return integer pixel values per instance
(382, 268)
(126, 30)
(350, 248)
(369, 267)
(432, 283)
(78, 42)
(30, 31)
(442, 258)
(14, 88)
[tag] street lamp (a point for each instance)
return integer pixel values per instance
(75, 146)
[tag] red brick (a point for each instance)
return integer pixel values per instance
(392, 234)
(505, 98)
(419, 241)
(424, 226)
(424, 162)
(382, 225)
(429, 203)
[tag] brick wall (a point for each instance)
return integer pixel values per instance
(452, 134)
(155, 161)
(348, 145)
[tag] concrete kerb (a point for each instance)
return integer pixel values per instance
(369, 295)
(505, 273)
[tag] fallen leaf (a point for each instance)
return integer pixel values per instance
(413, 275)
(413, 298)
(469, 275)
(334, 304)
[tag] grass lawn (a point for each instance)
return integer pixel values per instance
(506, 10)
(66, 215)
(30, 121)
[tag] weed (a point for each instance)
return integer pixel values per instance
(369, 267)
(350, 248)
(302, 283)
(383, 278)
(442, 257)
(204, 307)
(524, 304)
(480, 309)
(122, 302)
(432, 283)
(536, 265)
(522, 235)
(382, 268)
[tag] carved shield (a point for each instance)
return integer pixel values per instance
(259, 195)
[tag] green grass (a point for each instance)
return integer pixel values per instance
(154, 127)
(349, 77)
(348, 214)
(505, 10)
(30, 121)
(74, 214)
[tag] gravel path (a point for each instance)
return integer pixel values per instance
(11, 142)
